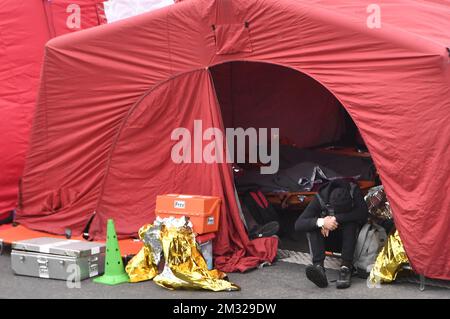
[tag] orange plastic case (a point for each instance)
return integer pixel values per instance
(203, 211)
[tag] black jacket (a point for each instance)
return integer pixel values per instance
(308, 219)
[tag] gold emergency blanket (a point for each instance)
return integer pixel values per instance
(142, 266)
(389, 261)
(184, 268)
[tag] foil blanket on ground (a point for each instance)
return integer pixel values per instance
(389, 260)
(184, 266)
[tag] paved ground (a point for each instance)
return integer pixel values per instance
(282, 280)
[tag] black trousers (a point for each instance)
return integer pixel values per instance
(347, 233)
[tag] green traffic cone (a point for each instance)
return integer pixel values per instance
(114, 270)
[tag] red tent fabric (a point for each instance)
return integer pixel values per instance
(110, 97)
(25, 28)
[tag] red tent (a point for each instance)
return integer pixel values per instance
(25, 28)
(111, 96)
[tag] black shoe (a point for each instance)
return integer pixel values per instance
(316, 274)
(345, 276)
(266, 230)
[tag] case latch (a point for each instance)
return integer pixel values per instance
(93, 266)
(43, 267)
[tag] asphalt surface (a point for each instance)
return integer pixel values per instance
(281, 280)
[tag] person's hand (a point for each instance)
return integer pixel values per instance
(330, 223)
(325, 232)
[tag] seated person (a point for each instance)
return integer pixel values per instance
(338, 206)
